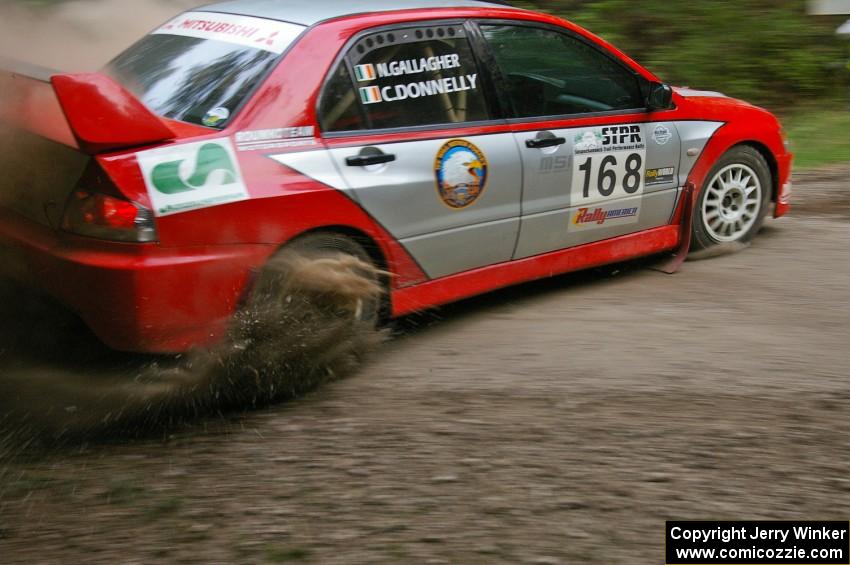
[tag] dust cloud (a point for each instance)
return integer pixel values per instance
(58, 384)
(79, 35)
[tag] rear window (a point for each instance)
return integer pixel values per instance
(200, 67)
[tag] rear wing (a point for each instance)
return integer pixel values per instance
(27, 101)
(90, 112)
(27, 70)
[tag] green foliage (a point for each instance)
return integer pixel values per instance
(819, 136)
(766, 51)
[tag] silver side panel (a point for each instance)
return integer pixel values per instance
(556, 229)
(317, 165)
(553, 218)
(403, 197)
(454, 251)
(695, 136)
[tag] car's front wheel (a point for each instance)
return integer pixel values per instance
(733, 202)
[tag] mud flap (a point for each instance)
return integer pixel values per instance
(672, 264)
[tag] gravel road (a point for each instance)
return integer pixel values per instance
(557, 422)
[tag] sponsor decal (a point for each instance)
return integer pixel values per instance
(598, 216)
(661, 134)
(461, 170)
(608, 164)
(277, 145)
(413, 90)
(187, 177)
(417, 66)
(364, 72)
(660, 176)
(609, 138)
(276, 133)
(554, 164)
(586, 141)
(298, 136)
(259, 33)
(216, 117)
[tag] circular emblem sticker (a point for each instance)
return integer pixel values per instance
(461, 170)
(216, 117)
(661, 135)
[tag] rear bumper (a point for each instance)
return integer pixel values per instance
(135, 297)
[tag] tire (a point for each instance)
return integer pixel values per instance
(733, 201)
(332, 272)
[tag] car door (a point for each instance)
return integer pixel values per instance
(595, 164)
(406, 120)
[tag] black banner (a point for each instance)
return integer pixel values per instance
(758, 543)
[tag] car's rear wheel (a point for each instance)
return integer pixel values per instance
(734, 200)
(332, 272)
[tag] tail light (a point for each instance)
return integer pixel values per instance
(103, 216)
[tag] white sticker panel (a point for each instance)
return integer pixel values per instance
(259, 33)
(609, 163)
(180, 178)
(609, 167)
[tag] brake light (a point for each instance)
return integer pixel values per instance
(103, 216)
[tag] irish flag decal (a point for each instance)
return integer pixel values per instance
(370, 95)
(364, 72)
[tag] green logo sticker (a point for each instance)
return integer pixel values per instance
(186, 177)
(211, 158)
(587, 140)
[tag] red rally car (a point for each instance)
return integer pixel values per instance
(461, 146)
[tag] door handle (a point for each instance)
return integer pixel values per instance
(366, 160)
(540, 143)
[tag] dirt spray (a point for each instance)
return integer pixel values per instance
(57, 382)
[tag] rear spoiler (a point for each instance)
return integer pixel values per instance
(90, 112)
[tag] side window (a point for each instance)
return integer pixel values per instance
(549, 73)
(405, 77)
(340, 109)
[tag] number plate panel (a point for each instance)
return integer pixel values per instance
(609, 163)
(609, 167)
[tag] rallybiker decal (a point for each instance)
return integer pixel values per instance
(187, 177)
(375, 94)
(461, 170)
(598, 216)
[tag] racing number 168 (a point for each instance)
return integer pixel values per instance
(607, 181)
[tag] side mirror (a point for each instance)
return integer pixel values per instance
(660, 97)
